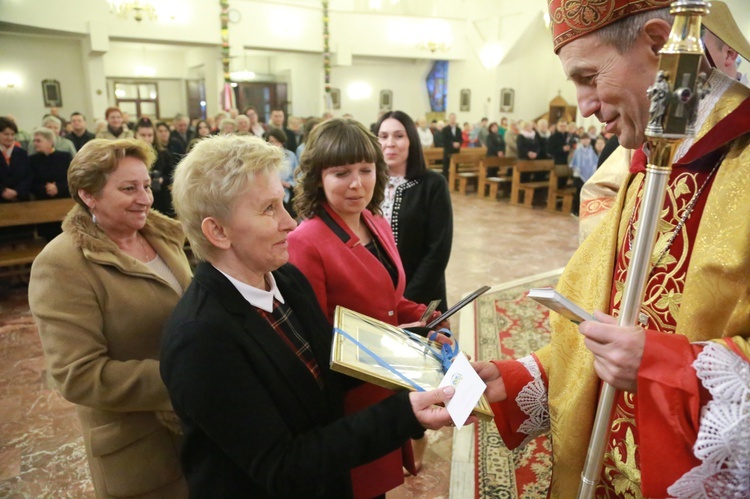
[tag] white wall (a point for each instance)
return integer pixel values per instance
(35, 59)
(405, 78)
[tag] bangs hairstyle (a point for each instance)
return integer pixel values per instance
(337, 142)
(213, 176)
(415, 165)
(92, 165)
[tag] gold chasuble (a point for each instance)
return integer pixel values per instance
(699, 289)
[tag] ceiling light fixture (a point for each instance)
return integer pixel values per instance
(139, 9)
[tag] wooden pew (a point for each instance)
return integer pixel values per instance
(464, 166)
(433, 158)
(528, 188)
(23, 252)
(503, 176)
(564, 194)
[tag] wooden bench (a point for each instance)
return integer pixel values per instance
(433, 158)
(528, 188)
(24, 251)
(464, 166)
(503, 176)
(562, 196)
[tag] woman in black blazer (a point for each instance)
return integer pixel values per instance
(246, 351)
(418, 206)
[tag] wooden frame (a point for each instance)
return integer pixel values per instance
(336, 98)
(465, 102)
(386, 100)
(51, 93)
(507, 100)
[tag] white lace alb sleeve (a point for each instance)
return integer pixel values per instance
(723, 443)
(532, 400)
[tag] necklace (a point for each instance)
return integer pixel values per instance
(685, 215)
(143, 247)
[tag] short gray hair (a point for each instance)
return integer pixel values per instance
(623, 33)
(51, 119)
(45, 133)
(214, 175)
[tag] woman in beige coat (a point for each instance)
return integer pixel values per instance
(100, 294)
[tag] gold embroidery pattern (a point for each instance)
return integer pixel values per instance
(661, 303)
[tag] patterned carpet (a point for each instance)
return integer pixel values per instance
(509, 325)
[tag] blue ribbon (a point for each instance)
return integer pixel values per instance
(446, 354)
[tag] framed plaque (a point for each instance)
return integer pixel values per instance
(386, 100)
(507, 100)
(51, 93)
(384, 355)
(465, 104)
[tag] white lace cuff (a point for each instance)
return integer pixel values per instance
(532, 400)
(723, 443)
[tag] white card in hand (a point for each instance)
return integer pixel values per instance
(469, 388)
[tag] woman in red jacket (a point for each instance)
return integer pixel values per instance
(347, 252)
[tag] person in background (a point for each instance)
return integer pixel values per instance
(217, 122)
(276, 137)
(115, 128)
(483, 132)
(599, 147)
(295, 125)
(418, 207)
(243, 125)
(438, 133)
(79, 135)
(202, 130)
(127, 121)
(310, 124)
(49, 170)
(15, 172)
(543, 135)
(100, 294)
(426, 139)
(180, 137)
(228, 126)
(61, 143)
(452, 140)
(503, 127)
(49, 167)
(495, 143)
(528, 142)
(347, 252)
(277, 121)
(161, 171)
(511, 140)
(23, 139)
(583, 165)
(466, 139)
(558, 144)
(256, 127)
(247, 349)
(162, 134)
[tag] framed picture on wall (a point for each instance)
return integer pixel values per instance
(51, 93)
(465, 99)
(507, 98)
(336, 98)
(386, 100)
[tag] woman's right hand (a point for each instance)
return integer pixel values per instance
(430, 415)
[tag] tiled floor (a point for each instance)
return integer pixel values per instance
(40, 444)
